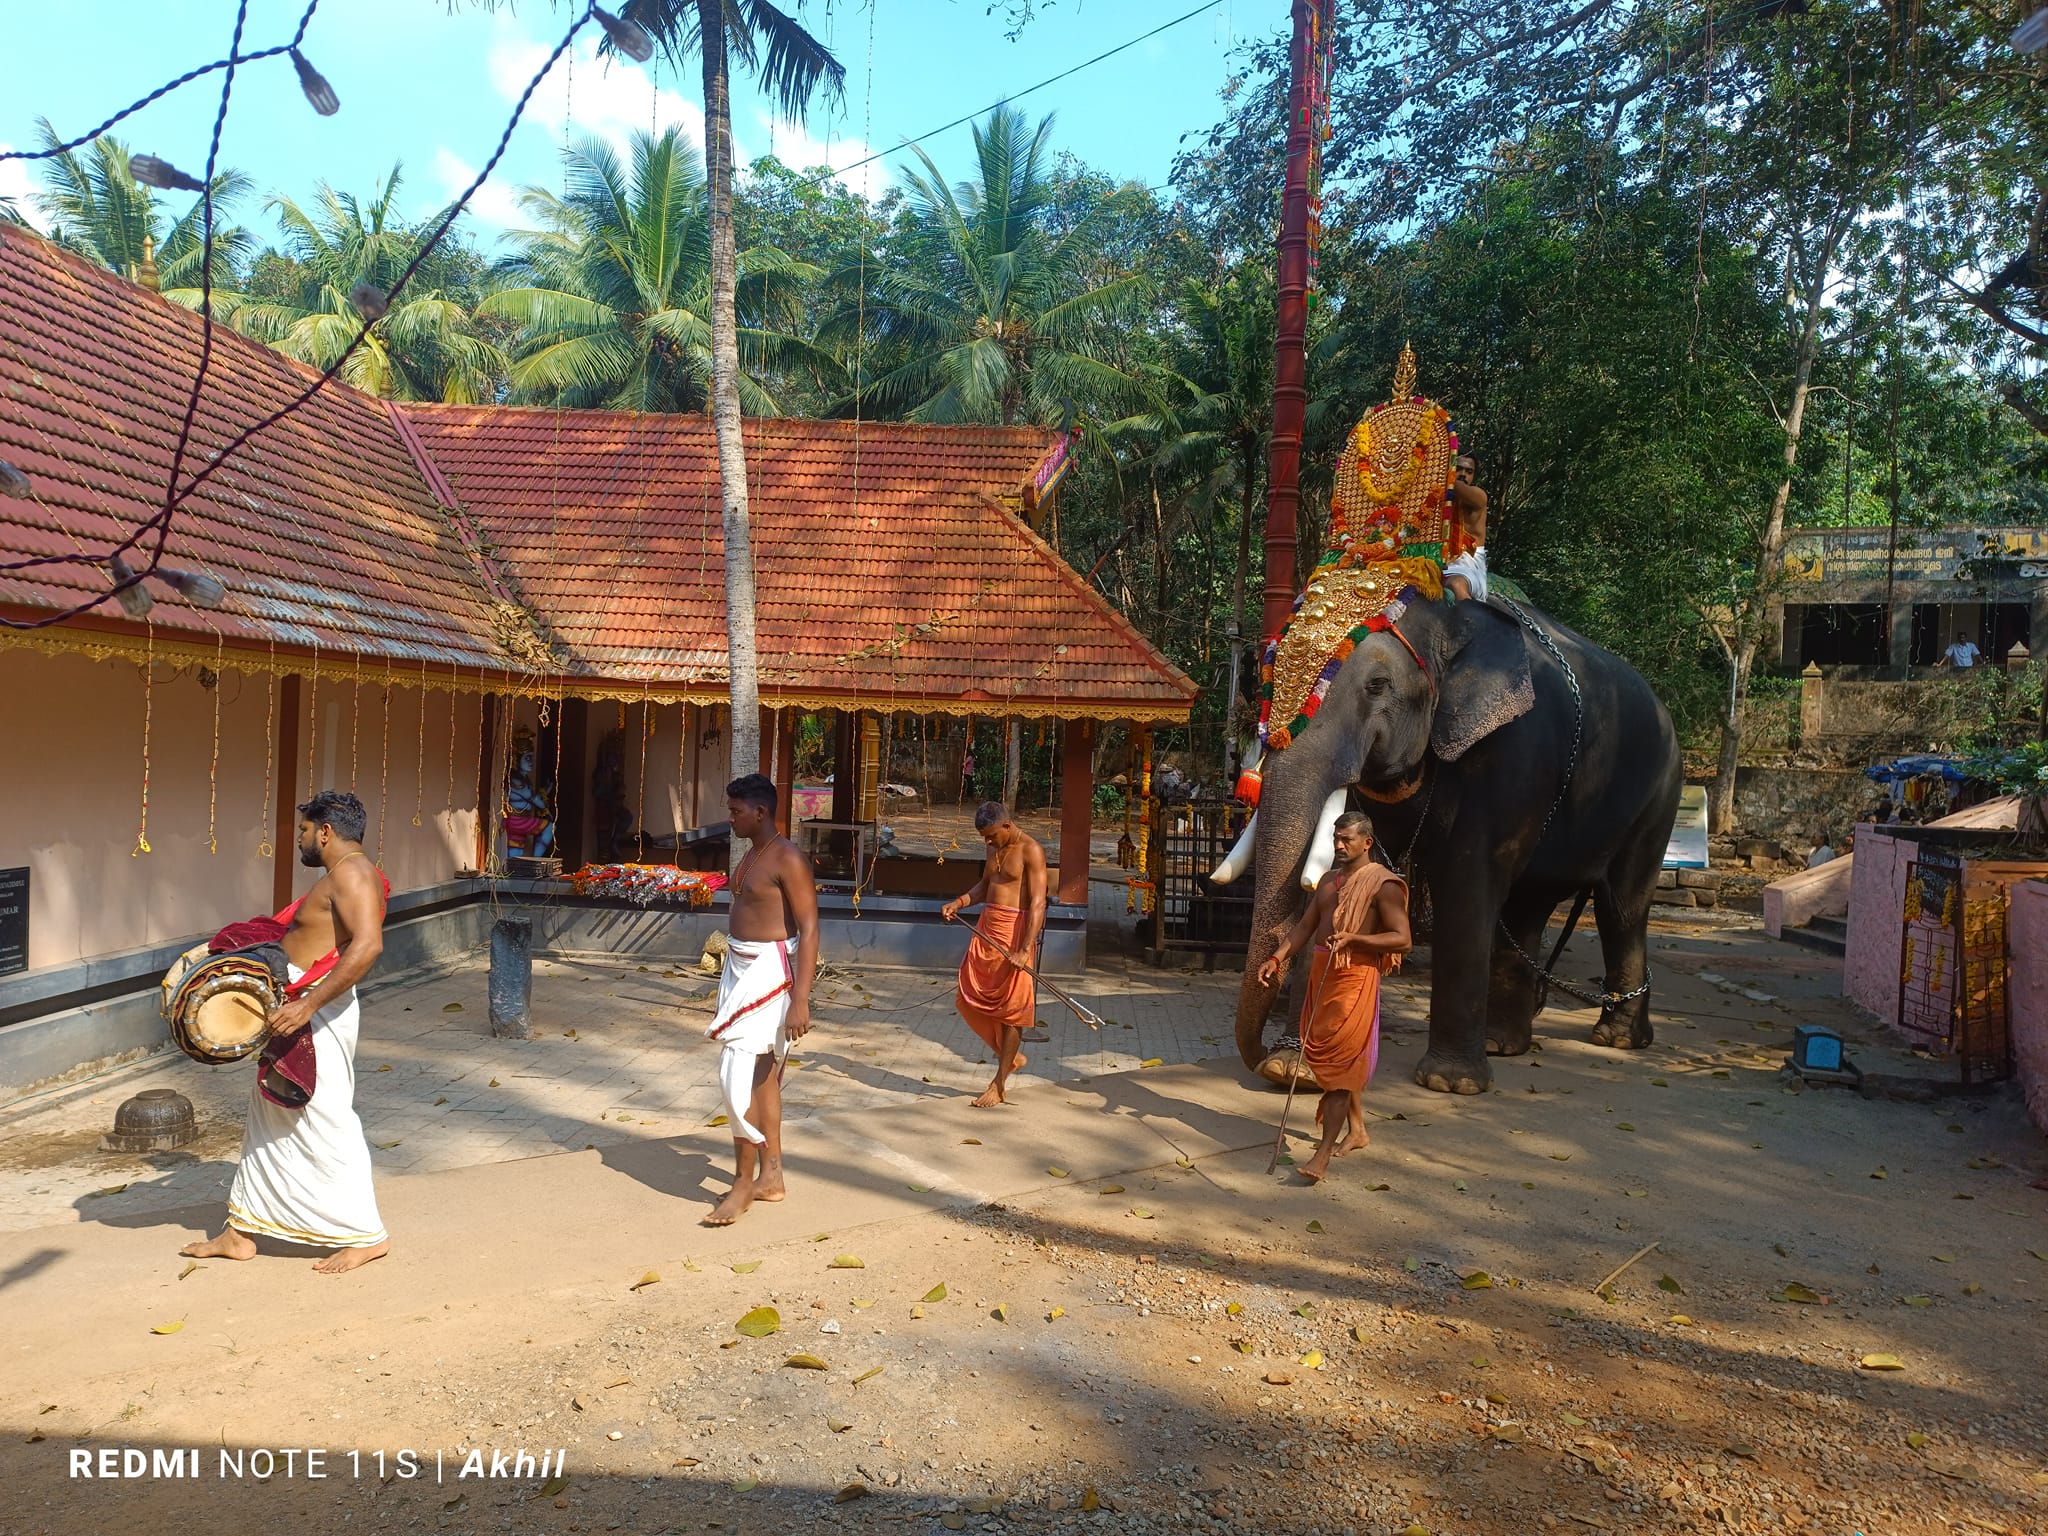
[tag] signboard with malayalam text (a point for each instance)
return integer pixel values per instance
(1688, 846)
(13, 920)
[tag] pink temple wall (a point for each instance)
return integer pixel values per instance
(1877, 893)
(74, 775)
(2026, 941)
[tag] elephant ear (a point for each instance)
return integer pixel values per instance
(1485, 682)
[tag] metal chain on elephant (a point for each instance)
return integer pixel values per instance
(1605, 1001)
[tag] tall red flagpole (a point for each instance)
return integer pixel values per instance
(1290, 347)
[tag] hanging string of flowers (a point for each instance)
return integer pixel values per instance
(1322, 47)
(1143, 889)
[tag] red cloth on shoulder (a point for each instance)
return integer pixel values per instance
(287, 1070)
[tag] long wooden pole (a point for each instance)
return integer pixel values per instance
(1290, 346)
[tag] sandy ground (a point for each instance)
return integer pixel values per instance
(1141, 1330)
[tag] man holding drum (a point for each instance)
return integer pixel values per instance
(305, 1171)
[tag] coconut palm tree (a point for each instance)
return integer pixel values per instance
(426, 347)
(996, 312)
(95, 206)
(612, 293)
(792, 66)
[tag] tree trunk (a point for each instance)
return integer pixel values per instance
(744, 685)
(1750, 615)
(1013, 765)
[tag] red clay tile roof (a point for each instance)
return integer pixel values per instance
(923, 588)
(321, 527)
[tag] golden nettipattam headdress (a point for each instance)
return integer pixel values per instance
(1390, 521)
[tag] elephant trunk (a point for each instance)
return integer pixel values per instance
(1293, 808)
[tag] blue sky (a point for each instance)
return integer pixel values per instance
(430, 83)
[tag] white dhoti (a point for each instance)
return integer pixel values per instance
(1472, 566)
(753, 1007)
(305, 1173)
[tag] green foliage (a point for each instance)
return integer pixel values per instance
(428, 346)
(612, 292)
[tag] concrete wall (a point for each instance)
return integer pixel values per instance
(2026, 945)
(1877, 894)
(72, 811)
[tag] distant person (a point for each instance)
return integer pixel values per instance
(764, 992)
(1962, 655)
(967, 773)
(996, 995)
(1823, 853)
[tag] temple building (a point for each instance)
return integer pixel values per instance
(420, 596)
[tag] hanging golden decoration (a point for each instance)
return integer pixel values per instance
(213, 764)
(263, 847)
(148, 710)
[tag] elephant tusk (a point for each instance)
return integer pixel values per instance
(1322, 848)
(1239, 859)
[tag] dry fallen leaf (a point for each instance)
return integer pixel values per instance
(187, 1270)
(1315, 1226)
(759, 1323)
(746, 1266)
(1882, 1363)
(970, 1141)
(862, 1303)
(386, 1146)
(1313, 1360)
(650, 1278)
(1669, 1286)
(1242, 1346)
(1058, 1173)
(385, 1068)
(839, 1426)
(1110, 1189)
(806, 1363)
(451, 1007)
(1917, 1301)
(168, 1327)
(492, 1083)
(1806, 1296)
(1055, 1314)
(847, 1261)
(718, 1120)
(1142, 1214)
(1360, 1334)
(1153, 1061)
(1478, 1280)
(851, 1491)
(1231, 1309)
(867, 1375)
(936, 1293)
(1916, 1440)
(1306, 1309)
(917, 1314)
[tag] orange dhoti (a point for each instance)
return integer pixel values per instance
(993, 992)
(1340, 1022)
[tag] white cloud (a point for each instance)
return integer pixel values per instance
(495, 207)
(801, 150)
(585, 95)
(16, 183)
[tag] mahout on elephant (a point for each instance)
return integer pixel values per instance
(1508, 763)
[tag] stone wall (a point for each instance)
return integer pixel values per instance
(1793, 806)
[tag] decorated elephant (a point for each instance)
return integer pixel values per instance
(1509, 763)
(1516, 764)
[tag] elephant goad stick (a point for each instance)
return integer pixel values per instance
(1280, 1139)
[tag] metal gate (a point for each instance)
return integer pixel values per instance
(1188, 841)
(1952, 965)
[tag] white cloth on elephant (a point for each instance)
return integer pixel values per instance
(753, 1010)
(305, 1173)
(1472, 566)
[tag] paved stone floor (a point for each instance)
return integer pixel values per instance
(621, 1057)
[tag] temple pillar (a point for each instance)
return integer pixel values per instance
(284, 852)
(785, 770)
(1077, 807)
(869, 806)
(845, 766)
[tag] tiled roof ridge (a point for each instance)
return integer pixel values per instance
(823, 425)
(1076, 582)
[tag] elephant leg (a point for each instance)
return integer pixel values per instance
(1461, 961)
(1621, 903)
(1511, 993)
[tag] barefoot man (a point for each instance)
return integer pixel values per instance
(996, 996)
(305, 1171)
(764, 994)
(1358, 922)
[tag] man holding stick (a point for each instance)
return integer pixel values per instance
(996, 996)
(1358, 922)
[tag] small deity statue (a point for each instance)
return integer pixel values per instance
(529, 817)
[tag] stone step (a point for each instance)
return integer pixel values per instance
(1814, 936)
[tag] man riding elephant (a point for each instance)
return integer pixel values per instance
(1510, 763)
